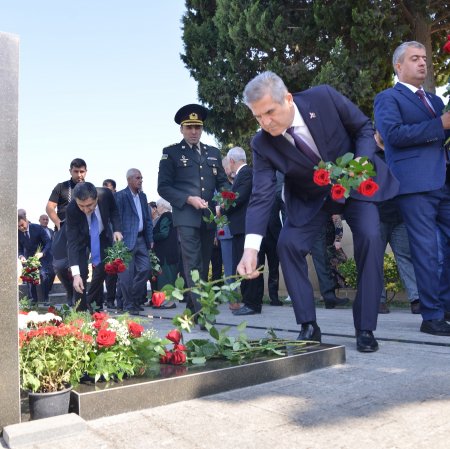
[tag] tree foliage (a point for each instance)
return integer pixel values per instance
(345, 43)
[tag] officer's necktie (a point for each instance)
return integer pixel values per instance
(95, 240)
(420, 93)
(303, 146)
(196, 148)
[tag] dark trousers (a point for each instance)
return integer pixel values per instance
(268, 251)
(252, 290)
(295, 243)
(196, 247)
(111, 285)
(321, 262)
(216, 261)
(423, 213)
(65, 277)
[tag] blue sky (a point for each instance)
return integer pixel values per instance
(100, 80)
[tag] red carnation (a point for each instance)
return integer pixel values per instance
(321, 177)
(158, 298)
(106, 338)
(174, 336)
(368, 187)
(135, 329)
(221, 232)
(337, 192)
(446, 47)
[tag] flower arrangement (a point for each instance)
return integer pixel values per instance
(30, 269)
(117, 258)
(392, 281)
(224, 199)
(52, 354)
(121, 347)
(346, 174)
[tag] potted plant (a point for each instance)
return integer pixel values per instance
(53, 356)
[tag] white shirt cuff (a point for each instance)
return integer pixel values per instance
(75, 270)
(253, 241)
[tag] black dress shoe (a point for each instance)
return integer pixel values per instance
(276, 302)
(435, 327)
(331, 303)
(310, 332)
(415, 307)
(139, 308)
(365, 341)
(245, 310)
(132, 312)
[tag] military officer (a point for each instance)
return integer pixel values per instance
(189, 174)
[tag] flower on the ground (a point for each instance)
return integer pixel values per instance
(158, 298)
(346, 174)
(174, 336)
(117, 258)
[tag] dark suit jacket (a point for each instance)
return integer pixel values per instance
(183, 172)
(38, 237)
(413, 138)
(242, 185)
(77, 228)
(130, 218)
(337, 127)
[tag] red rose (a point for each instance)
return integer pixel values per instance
(166, 358)
(368, 187)
(174, 336)
(178, 358)
(337, 192)
(220, 232)
(135, 329)
(106, 338)
(110, 268)
(321, 177)
(153, 278)
(117, 261)
(99, 324)
(51, 309)
(446, 47)
(36, 282)
(100, 316)
(121, 267)
(158, 298)
(178, 347)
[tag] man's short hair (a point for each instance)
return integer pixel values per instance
(263, 84)
(84, 191)
(399, 52)
(132, 171)
(21, 217)
(237, 154)
(109, 181)
(78, 163)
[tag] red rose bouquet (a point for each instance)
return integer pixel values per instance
(30, 269)
(117, 258)
(177, 355)
(224, 199)
(346, 174)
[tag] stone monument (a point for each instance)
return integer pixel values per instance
(9, 358)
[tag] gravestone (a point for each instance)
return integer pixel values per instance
(9, 358)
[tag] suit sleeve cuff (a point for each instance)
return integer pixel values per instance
(253, 241)
(75, 270)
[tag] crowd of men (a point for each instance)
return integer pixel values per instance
(296, 132)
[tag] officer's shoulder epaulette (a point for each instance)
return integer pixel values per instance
(171, 146)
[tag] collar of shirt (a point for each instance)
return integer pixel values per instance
(414, 89)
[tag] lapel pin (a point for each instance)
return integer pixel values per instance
(312, 115)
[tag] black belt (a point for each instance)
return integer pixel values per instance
(141, 234)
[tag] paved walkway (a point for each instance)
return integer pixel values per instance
(398, 397)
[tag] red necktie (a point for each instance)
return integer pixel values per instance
(421, 94)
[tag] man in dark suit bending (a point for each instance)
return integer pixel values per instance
(92, 224)
(329, 125)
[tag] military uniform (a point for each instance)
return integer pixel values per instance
(183, 172)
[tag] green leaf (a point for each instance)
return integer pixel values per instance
(179, 283)
(198, 360)
(195, 275)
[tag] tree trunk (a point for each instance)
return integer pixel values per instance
(422, 34)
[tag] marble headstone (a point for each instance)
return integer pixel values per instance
(9, 358)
